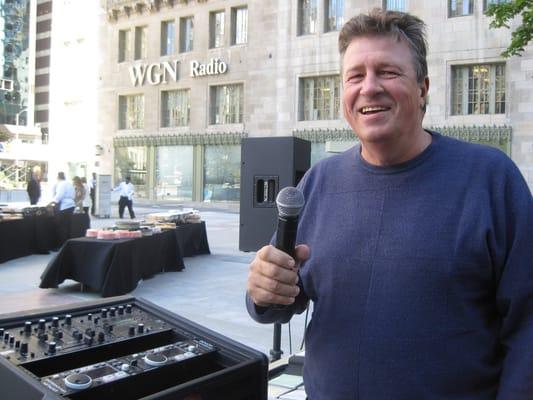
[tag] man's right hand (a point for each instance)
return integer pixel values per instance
(273, 276)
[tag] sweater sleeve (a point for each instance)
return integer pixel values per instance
(515, 290)
(282, 314)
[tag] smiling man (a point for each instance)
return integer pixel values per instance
(415, 249)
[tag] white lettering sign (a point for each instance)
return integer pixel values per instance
(213, 67)
(154, 74)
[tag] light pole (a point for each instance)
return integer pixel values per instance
(17, 120)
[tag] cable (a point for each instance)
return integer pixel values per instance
(290, 338)
(305, 327)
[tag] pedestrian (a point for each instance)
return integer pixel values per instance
(415, 248)
(126, 190)
(79, 193)
(34, 185)
(86, 197)
(93, 193)
(64, 205)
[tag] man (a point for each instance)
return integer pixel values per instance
(93, 193)
(63, 201)
(415, 249)
(126, 190)
(34, 185)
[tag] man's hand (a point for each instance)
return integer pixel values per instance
(274, 274)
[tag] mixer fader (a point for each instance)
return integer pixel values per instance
(123, 348)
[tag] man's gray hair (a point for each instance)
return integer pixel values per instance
(380, 22)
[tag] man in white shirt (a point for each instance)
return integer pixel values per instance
(126, 190)
(64, 202)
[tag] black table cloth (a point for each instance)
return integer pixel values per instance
(36, 235)
(192, 239)
(114, 267)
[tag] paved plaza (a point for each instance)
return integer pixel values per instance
(209, 291)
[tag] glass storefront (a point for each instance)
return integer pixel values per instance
(174, 173)
(132, 162)
(222, 173)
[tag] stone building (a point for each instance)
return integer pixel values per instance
(182, 82)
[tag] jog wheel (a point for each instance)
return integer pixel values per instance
(78, 381)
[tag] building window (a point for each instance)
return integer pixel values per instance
(222, 173)
(239, 25)
(174, 172)
(186, 34)
(167, 38)
(478, 89)
(394, 5)
(334, 15)
(307, 16)
(458, 8)
(140, 42)
(124, 45)
(226, 104)
(216, 29)
(319, 98)
(488, 3)
(131, 112)
(132, 162)
(176, 108)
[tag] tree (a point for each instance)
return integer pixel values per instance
(503, 13)
(4, 136)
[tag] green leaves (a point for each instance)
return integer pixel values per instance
(503, 13)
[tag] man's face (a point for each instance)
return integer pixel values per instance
(382, 99)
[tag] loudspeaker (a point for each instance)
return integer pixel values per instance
(268, 164)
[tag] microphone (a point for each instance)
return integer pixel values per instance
(290, 201)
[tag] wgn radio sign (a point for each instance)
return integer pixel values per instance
(157, 73)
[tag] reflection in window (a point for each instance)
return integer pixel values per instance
(216, 29)
(307, 16)
(222, 173)
(131, 112)
(174, 173)
(175, 108)
(140, 42)
(167, 38)
(124, 45)
(239, 22)
(334, 15)
(186, 34)
(226, 104)
(478, 89)
(319, 98)
(488, 3)
(459, 8)
(132, 162)
(394, 5)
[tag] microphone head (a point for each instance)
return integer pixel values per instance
(290, 201)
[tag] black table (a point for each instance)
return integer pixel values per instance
(192, 239)
(36, 235)
(114, 267)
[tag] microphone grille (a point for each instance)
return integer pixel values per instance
(290, 201)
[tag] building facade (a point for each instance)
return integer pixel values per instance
(182, 82)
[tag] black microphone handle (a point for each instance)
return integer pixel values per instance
(286, 234)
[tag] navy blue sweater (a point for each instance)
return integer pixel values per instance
(421, 277)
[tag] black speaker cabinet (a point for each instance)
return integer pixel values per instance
(268, 164)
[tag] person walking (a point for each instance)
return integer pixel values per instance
(126, 191)
(34, 185)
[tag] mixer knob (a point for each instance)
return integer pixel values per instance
(104, 312)
(17, 344)
(55, 322)
(1, 332)
(6, 336)
(52, 347)
(155, 359)
(24, 349)
(101, 337)
(68, 319)
(59, 335)
(96, 319)
(89, 316)
(78, 381)
(125, 367)
(120, 310)
(131, 330)
(112, 311)
(27, 327)
(42, 324)
(128, 308)
(88, 340)
(140, 328)
(11, 340)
